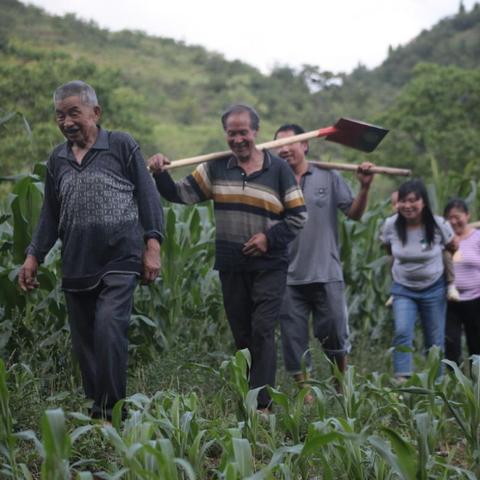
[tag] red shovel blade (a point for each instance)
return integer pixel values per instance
(359, 135)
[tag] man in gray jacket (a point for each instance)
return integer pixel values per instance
(103, 205)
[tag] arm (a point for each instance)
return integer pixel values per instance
(452, 246)
(151, 260)
(360, 201)
(194, 188)
(149, 207)
(150, 213)
(448, 238)
(45, 236)
(295, 214)
(385, 236)
(27, 276)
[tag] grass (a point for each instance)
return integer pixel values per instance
(182, 400)
(173, 370)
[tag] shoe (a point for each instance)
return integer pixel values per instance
(389, 302)
(452, 293)
(264, 412)
(308, 399)
(400, 380)
(302, 382)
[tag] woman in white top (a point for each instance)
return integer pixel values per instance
(416, 238)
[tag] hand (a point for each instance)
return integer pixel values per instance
(151, 261)
(158, 162)
(27, 277)
(452, 247)
(364, 177)
(256, 246)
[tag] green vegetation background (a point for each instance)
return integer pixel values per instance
(169, 96)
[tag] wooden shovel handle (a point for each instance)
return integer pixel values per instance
(353, 168)
(322, 132)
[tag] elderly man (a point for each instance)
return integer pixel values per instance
(259, 209)
(315, 280)
(101, 202)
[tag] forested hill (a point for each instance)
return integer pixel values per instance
(169, 95)
(453, 41)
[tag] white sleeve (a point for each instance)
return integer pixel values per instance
(446, 231)
(386, 230)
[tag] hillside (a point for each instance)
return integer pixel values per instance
(169, 95)
(453, 41)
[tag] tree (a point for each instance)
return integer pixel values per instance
(436, 115)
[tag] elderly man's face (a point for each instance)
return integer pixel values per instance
(77, 121)
(294, 153)
(240, 135)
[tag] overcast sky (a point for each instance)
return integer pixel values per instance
(334, 35)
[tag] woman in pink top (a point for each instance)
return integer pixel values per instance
(466, 262)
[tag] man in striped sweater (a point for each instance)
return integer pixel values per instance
(259, 209)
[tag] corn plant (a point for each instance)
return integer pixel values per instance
(145, 458)
(177, 418)
(9, 466)
(186, 300)
(399, 454)
(364, 263)
(242, 462)
(234, 372)
(441, 187)
(55, 445)
(290, 418)
(466, 409)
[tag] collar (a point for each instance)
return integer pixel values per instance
(101, 143)
(309, 170)
(267, 161)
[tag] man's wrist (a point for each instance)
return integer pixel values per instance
(32, 258)
(153, 244)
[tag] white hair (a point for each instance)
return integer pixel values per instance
(76, 88)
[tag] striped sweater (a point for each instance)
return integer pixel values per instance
(268, 200)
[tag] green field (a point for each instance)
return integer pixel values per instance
(191, 414)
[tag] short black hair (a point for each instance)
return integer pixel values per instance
(242, 108)
(457, 203)
(291, 127)
(287, 127)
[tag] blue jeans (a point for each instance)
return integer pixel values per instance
(430, 304)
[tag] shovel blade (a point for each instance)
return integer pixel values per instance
(359, 135)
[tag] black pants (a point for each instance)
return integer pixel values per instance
(252, 302)
(99, 320)
(466, 314)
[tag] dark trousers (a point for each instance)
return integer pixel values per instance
(464, 314)
(252, 302)
(99, 320)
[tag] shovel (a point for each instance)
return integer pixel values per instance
(349, 167)
(351, 133)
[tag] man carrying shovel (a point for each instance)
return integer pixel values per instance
(259, 209)
(315, 280)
